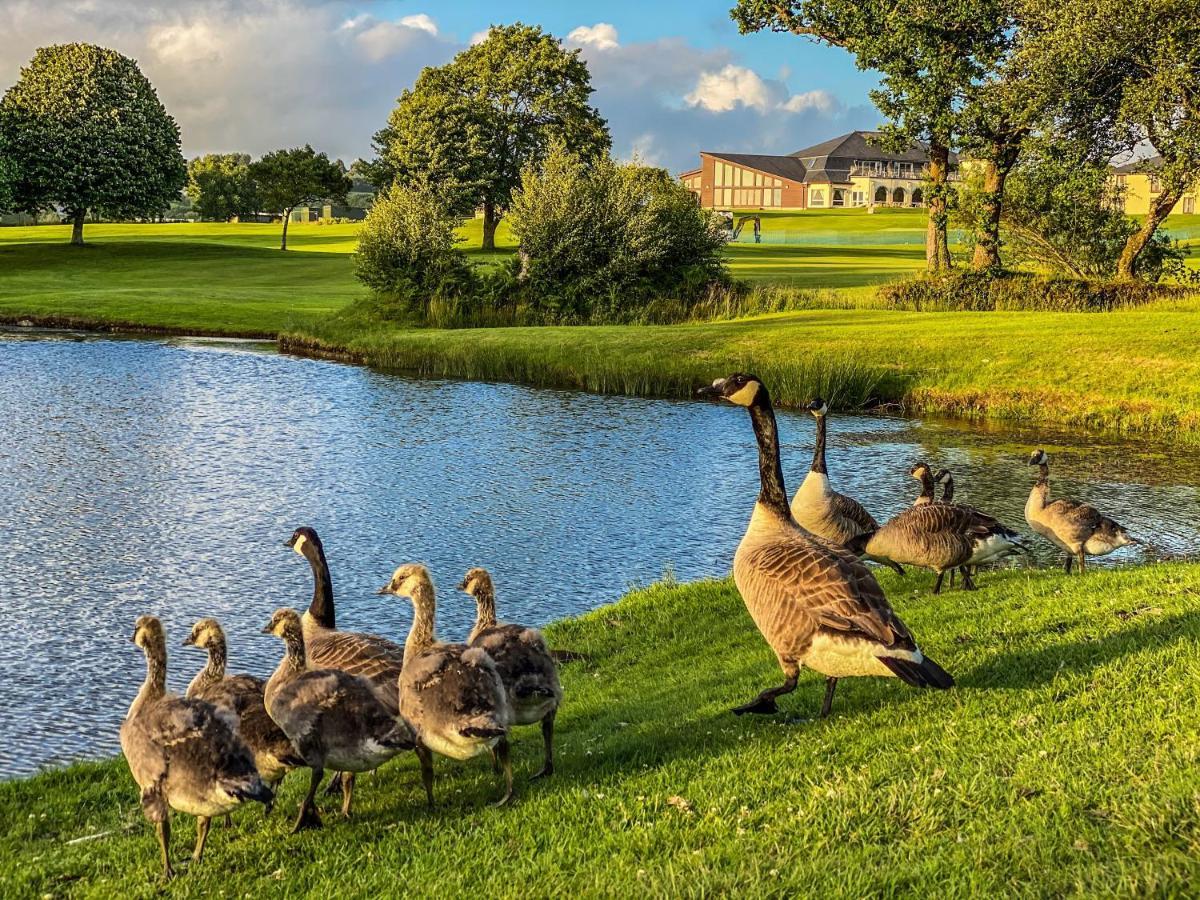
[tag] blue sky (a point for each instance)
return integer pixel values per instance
(671, 77)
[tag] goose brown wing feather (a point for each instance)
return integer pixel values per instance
(850, 509)
(374, 658)
(813, 585)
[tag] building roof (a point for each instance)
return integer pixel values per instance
(829, 161)
(1152, 164)
(779, 166)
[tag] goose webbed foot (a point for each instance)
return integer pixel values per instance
(968, 583)
(308, 816)
(335, 785)
(764, 704)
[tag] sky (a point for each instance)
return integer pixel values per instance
(671, 77)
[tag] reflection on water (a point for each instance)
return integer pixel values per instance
(164, 476)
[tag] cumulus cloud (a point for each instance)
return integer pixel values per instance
(381, 39)
(729, 88)
(602, 36)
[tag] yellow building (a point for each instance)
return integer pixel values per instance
(1139, 185)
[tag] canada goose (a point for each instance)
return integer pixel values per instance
(1079, 529)
(274, 755)
(818, 508)
(923, 474)
(1002, 542)
(814, 602)
(183, 754)
(946, 480)
(523, 660)
(942, 537)
(373, 658)
(334, 719)
(451, 693)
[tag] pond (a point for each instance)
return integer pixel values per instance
(163, 476)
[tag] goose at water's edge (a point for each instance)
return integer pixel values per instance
(816, 604)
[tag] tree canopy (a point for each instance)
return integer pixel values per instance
(472, 125)
(286, 179)
(85, 131)
(220, 186)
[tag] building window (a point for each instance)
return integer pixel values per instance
(839, 197)
(858, 198)
(881, 195)
(918, 197)
(898, 196)
(817, 198)
(778, 197)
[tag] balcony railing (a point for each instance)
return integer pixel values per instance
(907, 171)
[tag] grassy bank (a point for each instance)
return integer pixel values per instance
(1133, 370)
(1067, 761)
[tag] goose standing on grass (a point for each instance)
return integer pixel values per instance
(242, 695)
(183, 754)
(334, 719)
(523, 660)
(816, 604)
(370, 657)
(451, 693)
(1079, 529)
(817, 507)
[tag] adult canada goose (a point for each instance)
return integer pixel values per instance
(334, 719)
(815, 603)
(274, 755)
(374, 658)
(523, 660)
(942, 537)
(451, 693)
(184, 754)
(923, 474)
(817, 507)
(1079, 529)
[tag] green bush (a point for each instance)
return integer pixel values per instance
(602, 241)
(980, 292)
(406, 252)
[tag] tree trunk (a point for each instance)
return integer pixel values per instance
(490, 221)
(1139, 239)
(287, 217)
(987, 248)
(937, 237)
(77, 227)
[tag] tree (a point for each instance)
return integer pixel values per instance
(290, 178)
(220, 186)
(406, 247)
(87, 133)
(598, 240)
(931, 55)
(1125, 75)
(472, 125)
(7, 173)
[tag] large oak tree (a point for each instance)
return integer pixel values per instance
(472, 125)
(85, 132)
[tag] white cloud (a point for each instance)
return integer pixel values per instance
(602, 36)
(197, 42)
(479, 37)
(822, 101)
(729, 88)
(379, 40)
(420, 21)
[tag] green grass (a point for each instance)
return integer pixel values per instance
(1066, 762)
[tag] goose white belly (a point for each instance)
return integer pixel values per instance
(364, 757)
(527, 712)
(989, 548)
(216, 801)
(847, 658)
(1098, 546)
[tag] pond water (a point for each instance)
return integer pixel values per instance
(164, 476)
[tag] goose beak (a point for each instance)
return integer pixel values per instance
(386, 589)
(712, 390)
(188, 642)
(462, 586)
(267, 629)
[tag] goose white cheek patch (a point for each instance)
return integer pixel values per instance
(299, 545)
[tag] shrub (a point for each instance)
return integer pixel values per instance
(599, 241)
(980, 292)
(406, 250)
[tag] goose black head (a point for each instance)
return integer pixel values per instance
(818, 407)
(477, 580)
(942, 476)
(148, 632)
(406, 579)
(1038, 457)
(284, 622)
(302, 537)
(204, 633)
(739, 388)
(920, 471)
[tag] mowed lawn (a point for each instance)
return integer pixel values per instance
(1066, 762)
(233, 279)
